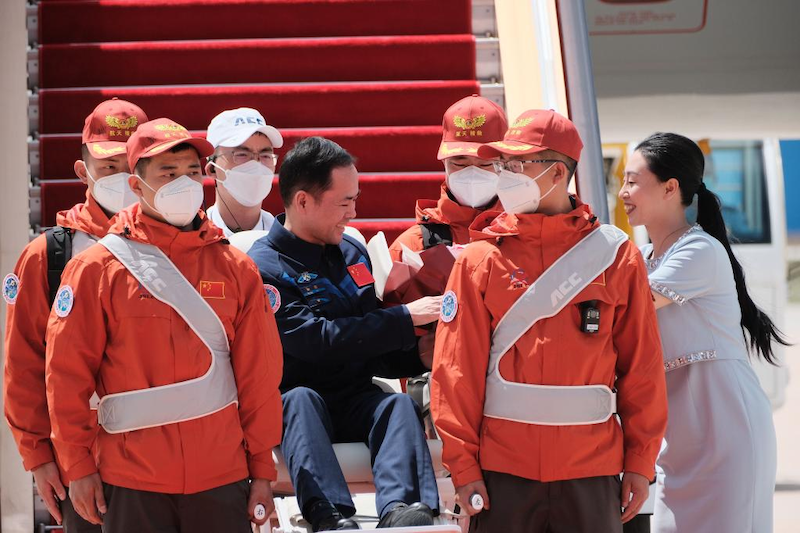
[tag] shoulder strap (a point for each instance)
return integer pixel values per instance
(545, 298)
(186, 400)
(59, 252)
(433, 234)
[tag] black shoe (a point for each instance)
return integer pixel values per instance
(416, 514)
(338, 524)
(324, 516)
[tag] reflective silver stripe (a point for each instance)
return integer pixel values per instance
(546, 297)
(81, 241)
(178, 402)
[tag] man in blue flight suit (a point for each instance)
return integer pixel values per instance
(335, 339)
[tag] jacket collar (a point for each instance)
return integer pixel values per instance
(307, 253)
(87, 217)
(135, 225)
(447, 211)
(492, 225)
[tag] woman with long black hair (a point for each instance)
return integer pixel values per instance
(718, 465)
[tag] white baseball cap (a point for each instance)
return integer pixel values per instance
(234, 126)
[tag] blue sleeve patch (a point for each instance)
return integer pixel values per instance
(65, 298)
(10, 288)
(449, 307)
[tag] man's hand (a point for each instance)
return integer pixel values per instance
(635, 489)
(464, 492)
(425, 347)
(260, 493)
(48, 482)
(425, 310)
(87, 498)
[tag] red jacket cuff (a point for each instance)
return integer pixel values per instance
(82, 468)
(38, 456)
(639, 465)
(473, 473)
(262, 467)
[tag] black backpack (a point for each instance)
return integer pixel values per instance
(59, 252)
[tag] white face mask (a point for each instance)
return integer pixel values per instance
(472, 186)
(248, 183)
(520, 193)
(113, 192)
(177, 201)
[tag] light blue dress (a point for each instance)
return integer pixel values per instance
(718, 465)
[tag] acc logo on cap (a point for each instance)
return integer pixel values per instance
(274, 297)
(449, 307)
(64, 300)
(10, 288)
(240, 121)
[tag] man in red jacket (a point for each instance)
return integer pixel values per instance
(470, 185)
(170, 325)
(104, 169)
(547, 331)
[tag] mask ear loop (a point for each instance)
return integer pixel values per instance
(216, 186)
(141, 180)
(542, 197)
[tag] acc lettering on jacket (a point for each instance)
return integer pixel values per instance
(150, 274)
(565, 288)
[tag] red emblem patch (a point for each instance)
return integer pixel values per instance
(360, 274)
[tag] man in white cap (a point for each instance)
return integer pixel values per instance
(243, 165)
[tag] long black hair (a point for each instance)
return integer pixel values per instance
(670, 155)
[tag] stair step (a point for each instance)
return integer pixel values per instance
(80, 21)
(446, 57)
(285, 105)
(377, 149)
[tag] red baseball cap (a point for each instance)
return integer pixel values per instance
(469, 123)
(109, 126)
(534, 131)
(158, 136)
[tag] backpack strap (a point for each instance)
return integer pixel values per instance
(59, 252)
(433, 234)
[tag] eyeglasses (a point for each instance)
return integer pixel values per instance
(517, 165)
(240, 156)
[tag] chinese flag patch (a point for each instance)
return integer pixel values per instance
(360, 274)
(212, 289)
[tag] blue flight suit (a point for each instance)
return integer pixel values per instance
(335, 339)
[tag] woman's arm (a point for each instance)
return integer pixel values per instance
(660, 301)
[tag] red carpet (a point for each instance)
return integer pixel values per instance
(373, 75)
(447, 57)
(83, 21)
(286, 106)
(375, 148)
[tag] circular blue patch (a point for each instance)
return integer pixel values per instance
(449, 307)
(10, 288)
(64, 300)
(274, 297)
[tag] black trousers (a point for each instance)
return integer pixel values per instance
(519, 505)
(72, 521)
(638, 524)
(219, 510)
